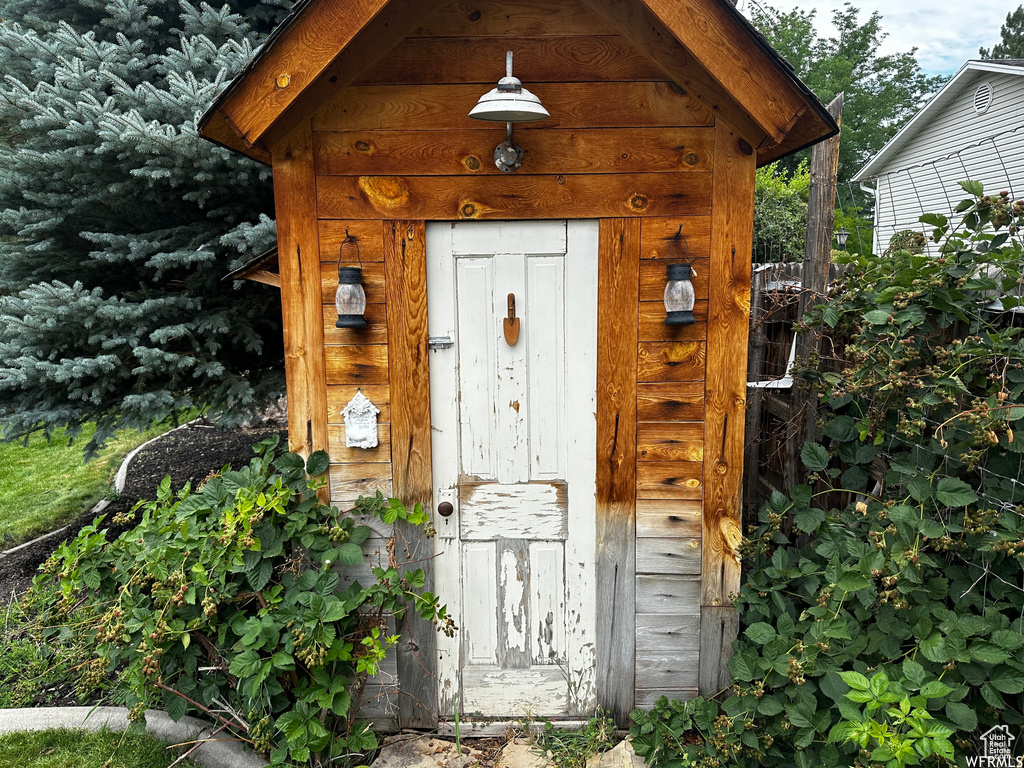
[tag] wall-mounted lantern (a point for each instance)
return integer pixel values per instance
(509, 103)
(841, 237)
(350, 298)
(679, 295)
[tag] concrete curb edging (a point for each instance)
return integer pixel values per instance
(212, 754)
(120, 478)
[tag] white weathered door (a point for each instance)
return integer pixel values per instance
(514, 454)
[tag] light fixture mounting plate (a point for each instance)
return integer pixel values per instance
(508, 156)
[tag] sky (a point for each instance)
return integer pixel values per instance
(945, 32)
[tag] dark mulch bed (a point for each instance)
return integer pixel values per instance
(188, 455)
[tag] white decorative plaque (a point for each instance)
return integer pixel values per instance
(360, 422)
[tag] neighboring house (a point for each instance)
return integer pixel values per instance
(972, 129)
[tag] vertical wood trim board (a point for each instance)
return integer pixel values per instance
(299, 256)
(618, 303)
(405, 265)
(725, 388)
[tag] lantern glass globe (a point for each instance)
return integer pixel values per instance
(679, 295)
(350, 298)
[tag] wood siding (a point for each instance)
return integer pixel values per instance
(625, 146)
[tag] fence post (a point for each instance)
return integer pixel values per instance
(821, 204)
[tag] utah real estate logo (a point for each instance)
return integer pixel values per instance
(996, 750)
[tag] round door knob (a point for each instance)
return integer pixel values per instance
(445, 508)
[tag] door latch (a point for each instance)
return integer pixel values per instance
(440, 342)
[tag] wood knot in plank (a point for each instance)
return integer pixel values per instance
(385, 193)
(683, 352)
(363, 146)
(282, 81)
(468, 211)
(638, 203)
(744, 148)
(691, 158)
(472, 162)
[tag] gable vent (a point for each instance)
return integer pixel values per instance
(983, 98)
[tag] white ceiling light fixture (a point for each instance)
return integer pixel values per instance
(509, 103)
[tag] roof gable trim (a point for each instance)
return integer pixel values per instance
(872, 168)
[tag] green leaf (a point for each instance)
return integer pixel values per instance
(760, 632)
(988, 653)
(317, 463)
(769, 705)
(913, 672)
(935, 219)
(800, 714)
(814, 457)
(954, 492)
(855, 680)
(851, 581)
(975, 188)
(935, 689)
(992, 696)
(258, 579)
(934, 648)
(246, 664)
(742, 667)
(176, 706)
(877, 317)
(962, 716)
(832, 685)
(1008, 639)
(1007, 682)
(283, 660)
(808, 520)
(350, 554)
(879, 684)
(920, 487)
(842, 428)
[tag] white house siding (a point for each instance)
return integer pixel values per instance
(956, 144)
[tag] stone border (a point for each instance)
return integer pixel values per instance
(223, 753)
(120, 478)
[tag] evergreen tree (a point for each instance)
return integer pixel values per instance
(1011, 44)
(117, 221)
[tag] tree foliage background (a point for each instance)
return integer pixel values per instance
(117, 221)
(882, 92)
(1011, 42)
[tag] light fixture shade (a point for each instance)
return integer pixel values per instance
(516, 105)
(509, 102)
(350, 298)
(841, 237)
(679, 295)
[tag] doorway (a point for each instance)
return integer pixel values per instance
(512, 316)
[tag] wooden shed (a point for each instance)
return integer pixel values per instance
(593, 466)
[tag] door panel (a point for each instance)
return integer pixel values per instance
(513, 447)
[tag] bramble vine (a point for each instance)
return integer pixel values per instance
(228, 601)
(904, 570)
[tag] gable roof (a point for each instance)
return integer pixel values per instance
(709, 47)
(953, 87)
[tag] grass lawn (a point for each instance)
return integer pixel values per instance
(45, 485)
(79, 749)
